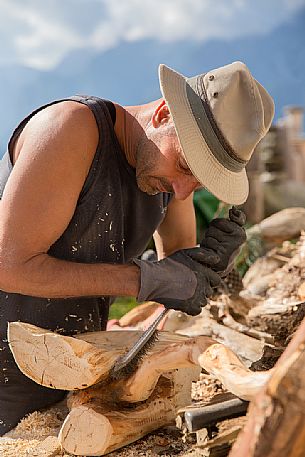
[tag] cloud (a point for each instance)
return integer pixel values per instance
(39, 34)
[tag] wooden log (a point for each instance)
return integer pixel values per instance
(143, 402)
(97, 425)
(281, 226)
(227, 367)
(72, 363)
(249, 349)
(276, 419)
(182, 354)
(57, 361)
(59, 365)
(278, 318)
(260, 274)
(228, 321)
(137, 315)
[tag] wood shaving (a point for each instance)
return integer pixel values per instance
(166, 442)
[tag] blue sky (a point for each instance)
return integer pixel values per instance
(50, 49)
(40, 33)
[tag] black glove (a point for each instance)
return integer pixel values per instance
(178, 282)
(223, 237)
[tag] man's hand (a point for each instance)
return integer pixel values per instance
(223, 238)
(178, 281)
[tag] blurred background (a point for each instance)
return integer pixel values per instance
(53, 49)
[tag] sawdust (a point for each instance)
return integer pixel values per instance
(39, 425)
(31, 431)
(17, 447)
(167, 441)
(206, 388)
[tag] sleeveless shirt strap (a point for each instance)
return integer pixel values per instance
(106, 134)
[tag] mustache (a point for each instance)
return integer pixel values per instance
(166, 185)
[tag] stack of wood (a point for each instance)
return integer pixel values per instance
(237, 338)
(106, 414)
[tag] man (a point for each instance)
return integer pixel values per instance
(85, 183)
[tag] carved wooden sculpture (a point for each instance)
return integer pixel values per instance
(104, 414)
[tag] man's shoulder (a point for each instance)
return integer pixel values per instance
(65, 116)
(64, 124)
(64, 111)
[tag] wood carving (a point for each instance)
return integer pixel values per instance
(104, 414)
(227, 367)
(97, 424)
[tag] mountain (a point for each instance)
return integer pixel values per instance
(128, 73)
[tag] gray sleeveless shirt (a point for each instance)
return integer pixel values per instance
(112, 223)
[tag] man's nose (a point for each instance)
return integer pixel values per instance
(184, 187)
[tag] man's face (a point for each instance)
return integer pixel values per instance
(161, 166)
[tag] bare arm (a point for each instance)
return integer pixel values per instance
(178, 229)
(54, 152)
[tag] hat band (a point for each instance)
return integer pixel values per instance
(209, 129)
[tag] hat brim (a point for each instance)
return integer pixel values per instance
(230, 187)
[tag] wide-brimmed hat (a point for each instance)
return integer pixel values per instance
(219, 117)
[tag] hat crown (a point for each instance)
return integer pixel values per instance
(241, 107)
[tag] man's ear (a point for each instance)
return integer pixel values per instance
(161, 115)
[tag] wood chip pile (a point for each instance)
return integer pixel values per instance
(256, 323)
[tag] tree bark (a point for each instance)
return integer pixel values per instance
(276, 418)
